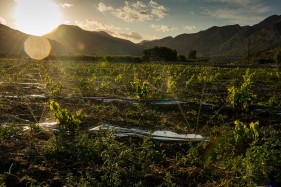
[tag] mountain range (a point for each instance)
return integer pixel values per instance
(231, 40)
(12, 42)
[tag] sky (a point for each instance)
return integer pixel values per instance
(135, 20)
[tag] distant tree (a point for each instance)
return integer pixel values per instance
(159, 54)
(182, 58)
(192, 54)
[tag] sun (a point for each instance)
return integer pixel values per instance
(37, 17)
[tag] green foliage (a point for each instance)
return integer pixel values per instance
(277, 58)
(2, 180)
(206, 76)
(192, 54)
(68, 123)
(171, 84)
(122, 163)
(241, 98)
(10, 130)
(168, 180)
(95, 58)
(240, 155)
(141, 89)
(130, 162)
(159, 54)
(71, 182)
(181, 58)
(189, 81)
(118, 78)
(87, 85)
(248, 153)
(262, 162)
(2, 134)
(272, 102)
(246, 134)
(54, 88)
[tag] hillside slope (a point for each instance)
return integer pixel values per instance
(12, 42)
(232, 40)
(79, 41)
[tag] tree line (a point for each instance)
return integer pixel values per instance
(166, 54)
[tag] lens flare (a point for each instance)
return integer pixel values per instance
(37, 17)
(37, 47)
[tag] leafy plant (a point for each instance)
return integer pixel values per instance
(2, 180)
(68, 122)
(141, 89)
(118, 78)
(241, 98)
(54, 88)
(171, 85)
(189, 81)
(262, 162)
(246, 133)
(168, 180)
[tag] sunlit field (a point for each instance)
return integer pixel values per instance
(140, 93)
(49, 108)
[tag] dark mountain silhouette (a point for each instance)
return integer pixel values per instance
(12, 42)
(232, 40)
(79, 41)
(204, 41)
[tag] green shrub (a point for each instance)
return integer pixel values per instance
(245, 135)
(241, 98)
(68, 123)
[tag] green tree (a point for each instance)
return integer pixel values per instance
(192, 54)
(182, 58)
(159, 54)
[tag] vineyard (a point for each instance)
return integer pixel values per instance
(50, 108)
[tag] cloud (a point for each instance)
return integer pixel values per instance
(163, 28)
(140, 11)
(94, 25)
(190, 28)
(124, 33)
(242, 14)
(3, 21)
(66, 5)
(158, 10)
(239, 2)
(131, 35)
(102, 7)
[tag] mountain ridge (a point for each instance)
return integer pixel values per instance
(79, 41)
(229, 40)
(12, 42)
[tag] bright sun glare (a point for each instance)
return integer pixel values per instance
(37, 17)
